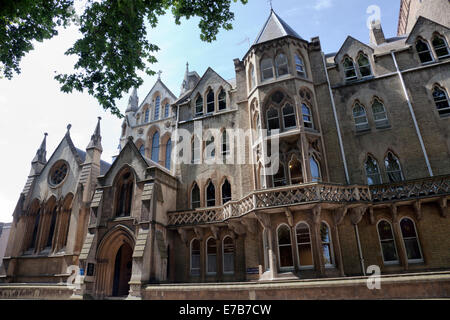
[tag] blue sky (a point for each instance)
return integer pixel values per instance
(32, 104)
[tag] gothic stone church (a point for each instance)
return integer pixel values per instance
(363, 177)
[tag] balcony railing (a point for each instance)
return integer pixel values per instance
(311, 193)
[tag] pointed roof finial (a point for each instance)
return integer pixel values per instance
(270, 2)
(69, 126)
(133, 101)
(187, 66)
(96, 138)
(41, 154)
(159, 74)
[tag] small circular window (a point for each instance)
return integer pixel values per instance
(58, 173)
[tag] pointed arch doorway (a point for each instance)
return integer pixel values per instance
(122, 271)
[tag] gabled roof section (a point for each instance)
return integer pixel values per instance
(152, 89)
(275, 28)
(347, 43)
(416, 29)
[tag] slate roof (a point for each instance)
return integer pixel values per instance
(275, 28)
(104, 166)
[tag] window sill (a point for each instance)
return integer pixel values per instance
(416, 261)
(362, 131)
(391, 263)
(385, 127)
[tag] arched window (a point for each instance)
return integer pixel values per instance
(289, 120)
(210, 101)
(441, 100)
(315, 169)
(195, 197)
(423, 50)
(379, 114)
(307, 117)
(142, 150)
(252, 77)
(273, 121)
(195, 150)
(279, 179)
(409, 234)
(147, 115)
(222, 100)
(195, 257)
(285, 247)
(281, 63)
(51, 230)
(228, 255)
(295, 171)
(157, 107)
(210, 195)
(393, 168)
(372, 171)
(168, 153)
(125, 195)
(387, 242)
(226, 192)
(300, 66)
(210, 148)
(266, 69)
(225, 146)
(364, 65)
(327, 248)
(166, 110)
(349, 69)
(35, 230)
(304, 245)
(155, 147)
(360, 117)
(440, 47)
(199, 106)
(211, 256)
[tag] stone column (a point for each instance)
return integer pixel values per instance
(319, 263)
(398, 237)
(338, 219)
(290, 220)
(264, 219)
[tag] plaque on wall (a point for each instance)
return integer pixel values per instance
(252, 270)
(90, 269)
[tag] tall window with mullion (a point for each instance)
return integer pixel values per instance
(304, 245)
(387, 242)
(372, 171)
(195, 257)
(168, 154)
(226, 192)
(210, 148)
(199, 106)
(380, 114)
(228, 255)
(281, 63)
(364, 65)
(393, 168)
(315, 169)
(410, 239)
(225, 146)
(440, 47)
(300, 66)
(424, 52)
(195, 150)
(166, 110)
(307, 117)
(266, 69)
(273, 121)
(155, 147)
(327, 249)
(441, 100)
(195, 197)
(211, 256)
(285, 247)
(279, 179)
(210, 195)
(360, 117)
(349, 69)
(289, 119)
(210, 101)
(222, 100)
(147, 115)
(157, 107)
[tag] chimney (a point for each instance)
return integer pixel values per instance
(376, 33)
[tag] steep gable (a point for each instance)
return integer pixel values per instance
(425, 28)
(351, 47)
(275, 28)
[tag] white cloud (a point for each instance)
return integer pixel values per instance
(323, 4)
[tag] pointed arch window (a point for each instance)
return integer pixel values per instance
(424, 52)
(155, 147)
(225, 146)
(327, 248)
(195, 257)
(440, 47)
(211, 256)
(315, 169)
(157, 107)
(195, 150)
(35, 230)
(372, 171)
(289, 120)
(295, 171)
(307, 117)
(360, 117)
(379, 114)
(199, 106)
(51, 230)
(441, 100)
(364, 65)
(266, 69)
(125, 195)
(273, 121)
(147, 115)
(222, 100)
(210, 148)
(168, 154)
(279, 179)
(304, 246)
(300, 66)
(412, 246)
(210, 101)
(166, 110)
(226, 192)
(252, 77)
(195, 197)
(228, 255)
(349, 69)
(210, 195)
(393, 168)
(387, 242)
(281, 63)
(285, 247)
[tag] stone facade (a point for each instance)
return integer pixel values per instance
(361, 177)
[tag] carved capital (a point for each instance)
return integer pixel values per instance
(237, 227)
(418, 209)
(289, 217)
(357, 214)
(215, 232)
(199, 232)
(443, 205)
(339, 215)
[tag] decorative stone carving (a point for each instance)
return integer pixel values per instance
(357, 214)
(317, 210)
(339, 215)
(199, 232)
(289, 217)
(215, 232)
(250, 224)
(443, 205)
(237, 227)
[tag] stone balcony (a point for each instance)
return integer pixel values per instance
(326, 193)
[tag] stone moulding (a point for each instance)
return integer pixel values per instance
(314, 193)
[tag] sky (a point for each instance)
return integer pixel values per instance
(32, 103)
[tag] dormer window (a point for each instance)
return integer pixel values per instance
(349, 70)
(266, 69)
(300, 66)
(440, 47)
(364, 65)
(423, 50)
(281, 63)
